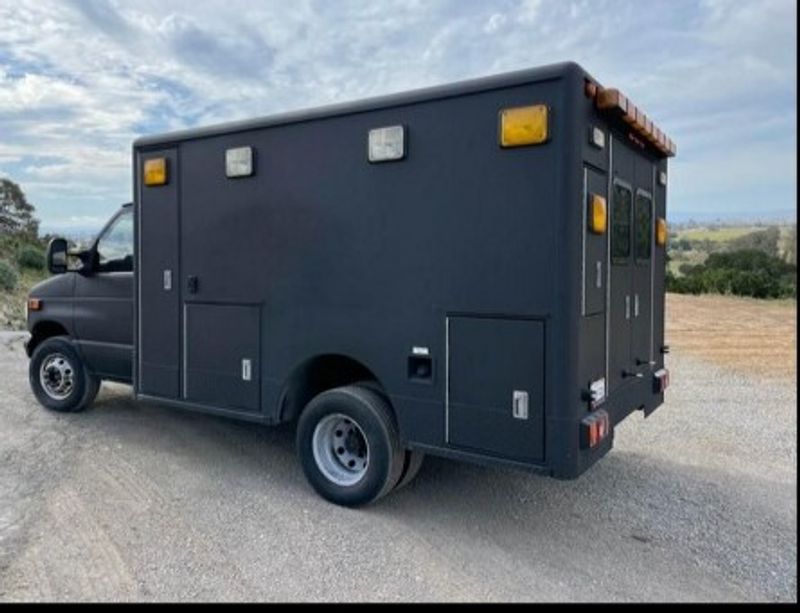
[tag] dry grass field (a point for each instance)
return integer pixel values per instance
(756, 337)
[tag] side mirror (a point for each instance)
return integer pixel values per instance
(57, 256)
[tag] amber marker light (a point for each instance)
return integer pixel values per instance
(155, 172)
(661, 231)
(597, 214)
(34, 304)
(525, 125)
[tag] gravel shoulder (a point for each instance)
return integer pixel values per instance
(134, 501)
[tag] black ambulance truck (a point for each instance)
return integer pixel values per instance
(474, 271)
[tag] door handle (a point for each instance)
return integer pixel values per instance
(192, 284)
(636, 305)
(627, 306)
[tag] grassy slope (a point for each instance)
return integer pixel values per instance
(719, 236)
(12, 304)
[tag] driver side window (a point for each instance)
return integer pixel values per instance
(115, 247)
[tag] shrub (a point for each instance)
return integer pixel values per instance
(746, 272)
(8, 276)
(31, 257)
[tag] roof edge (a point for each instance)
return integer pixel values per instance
(447, 90)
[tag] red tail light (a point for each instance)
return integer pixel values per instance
(595, 428)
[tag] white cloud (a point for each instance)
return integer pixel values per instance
(496, 22)
(80, 80)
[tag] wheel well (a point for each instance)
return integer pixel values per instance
(317, 375)
(42, 331)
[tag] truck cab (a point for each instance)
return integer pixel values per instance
(80, 319)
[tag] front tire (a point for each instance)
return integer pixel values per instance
(59, 378)
(348, 446)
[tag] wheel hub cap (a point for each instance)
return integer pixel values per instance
(57, 376)
(340, 448)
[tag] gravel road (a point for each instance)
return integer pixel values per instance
(133, 501)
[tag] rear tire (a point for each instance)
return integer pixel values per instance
(58, 377)
(411, 466)
(348, 446)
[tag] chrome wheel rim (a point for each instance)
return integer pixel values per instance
(341, 450)
(57, 376)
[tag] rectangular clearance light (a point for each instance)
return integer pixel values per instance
(239, 162)
(155, 172)
(525, 125)
(386, 144)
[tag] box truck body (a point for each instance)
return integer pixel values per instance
(487, 257)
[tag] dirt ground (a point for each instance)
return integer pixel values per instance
(134, 501)
(754, 337)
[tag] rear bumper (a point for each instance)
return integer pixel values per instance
(635, 395)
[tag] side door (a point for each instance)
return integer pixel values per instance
(621, 264)
(157, 273)
(221, 347)
(104, 302)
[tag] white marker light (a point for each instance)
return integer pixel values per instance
(597, 137)
(239, 162)
(597, 391)
(387, 144)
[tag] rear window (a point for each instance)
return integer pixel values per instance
(621, 223)
(644, 227)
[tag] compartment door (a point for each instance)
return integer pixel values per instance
(222, 350)
(495, 391)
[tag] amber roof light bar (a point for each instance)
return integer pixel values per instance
(613, 101)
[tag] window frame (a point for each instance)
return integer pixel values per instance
(621, 259)
(104, 233)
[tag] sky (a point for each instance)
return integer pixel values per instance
(81, 79)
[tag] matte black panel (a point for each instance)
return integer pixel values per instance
(159, 308)
(364, 260)
(489, 360)
(592, 350)
(219, 338)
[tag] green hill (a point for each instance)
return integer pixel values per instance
(21, 267)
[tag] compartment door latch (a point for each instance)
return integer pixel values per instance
(519, 407)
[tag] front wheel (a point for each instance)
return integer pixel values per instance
(348, 445)
(58, 377)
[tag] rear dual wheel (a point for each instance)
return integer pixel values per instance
(349, 447)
